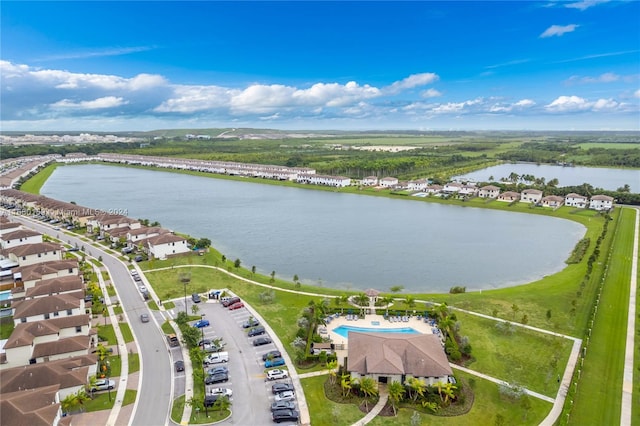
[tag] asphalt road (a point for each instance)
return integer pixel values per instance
(154, 396)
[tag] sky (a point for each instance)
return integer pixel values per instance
(417, 65)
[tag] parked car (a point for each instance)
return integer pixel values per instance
(172, 339)
(216, 358)
(285, 396)
(137, 278)
(143, 289)
(216, 378)
(251, 322)
(212, 348)
(201, 323)
(235, 306)
(139, 258)
(127, 250)
(271, 354)
(283, 405)
(228, 302)
(284, 416)
(103, 384)
(144, 317)
(275, 362)
(204, 342)
(256, 331)
(221, 391)
(281, 387)
(261, 341)
(277, 373)
(179, 365)
(218, 370)
(209, 400)
(196, 298)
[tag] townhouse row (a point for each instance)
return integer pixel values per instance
(50, 352)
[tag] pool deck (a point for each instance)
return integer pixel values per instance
(374, 322)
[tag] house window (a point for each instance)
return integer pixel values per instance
(56, 314)
(23, 319)
(69, 312)
(39, 254)
(46, 316)
(24, 257)
(78, 329)
(71, 270)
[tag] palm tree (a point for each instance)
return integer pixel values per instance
(315, 314)
(368, 388)
(69, 402)
(345, 384)
(396, 394)
(447, 390)
(331, 366)
(387, 301)
(445, 325)
(410, 301)
(418, 387)
(222, 404)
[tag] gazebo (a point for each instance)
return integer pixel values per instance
(372, 294)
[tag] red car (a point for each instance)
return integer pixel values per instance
(236, 305)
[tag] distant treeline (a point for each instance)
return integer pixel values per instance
(552, 152)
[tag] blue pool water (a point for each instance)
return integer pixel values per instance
(344, 330)
(5, 295)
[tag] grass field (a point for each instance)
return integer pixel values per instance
(600, 382)
(616, 145)
(34, 184)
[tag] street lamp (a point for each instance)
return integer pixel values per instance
(185, 278)
(108, 375)
(204, 383)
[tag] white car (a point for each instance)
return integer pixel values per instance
(222, 392)
(142, 289)
(103, 384)
(285, 396)
(277, 374)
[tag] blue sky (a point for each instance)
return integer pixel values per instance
(112, 66)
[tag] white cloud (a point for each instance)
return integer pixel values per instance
(607, 77)
(431, 93)
(414, 80)
(636, 94)
(100, 103)
(190, 99)
(568, 104)
(455, 107)
(558, 30)
(585, 4)
(516, 106)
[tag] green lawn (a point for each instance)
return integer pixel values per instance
(126, 332)
(324, 411)
(488, 405)
(635, 414)
(531, 359)
(600, 383)
(34, 183)
(6, 327)
(133, 362)
(107, 333)
(177, 408)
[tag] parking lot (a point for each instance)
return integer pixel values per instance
(252, 392)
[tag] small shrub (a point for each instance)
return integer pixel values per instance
(457, 289)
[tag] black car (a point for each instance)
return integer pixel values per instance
(261, 341)
(271, 354)
(283, 405)
(204, 342)
(284, 416)
(216, 378)
(179, 365)
(281, 387)
(209, 400)
(251, 322)
(256, 331)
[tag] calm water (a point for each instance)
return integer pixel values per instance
(609, 179)
(344, 330)
(332, 239)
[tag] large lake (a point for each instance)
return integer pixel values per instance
(329, 238)
(609, 179)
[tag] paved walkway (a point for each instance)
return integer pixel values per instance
(627, 382)
(384, 397)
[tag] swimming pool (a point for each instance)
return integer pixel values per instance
(344, 330)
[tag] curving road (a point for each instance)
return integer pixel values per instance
(154, 399)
